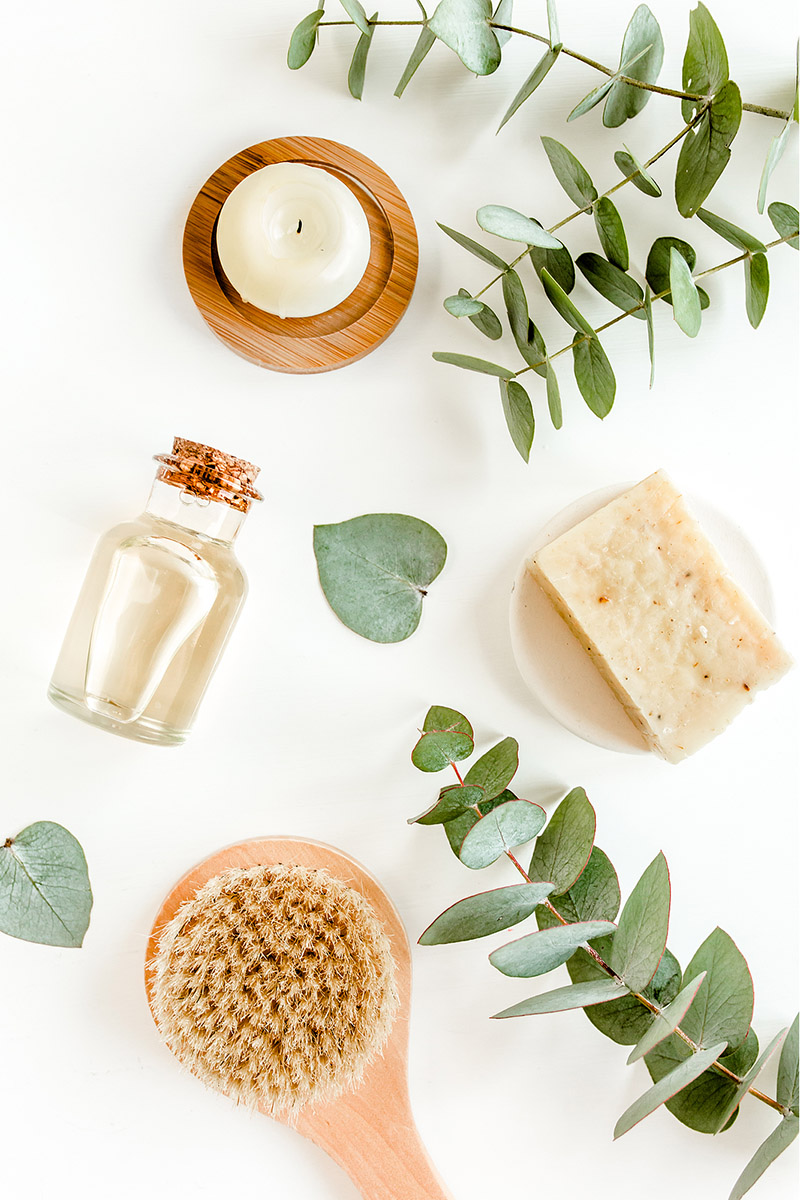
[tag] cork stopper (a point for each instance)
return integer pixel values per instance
(209, 473)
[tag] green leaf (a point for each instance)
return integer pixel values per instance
(440, 718)
(456, 830)
(787, 1089)
(557, 262)
(600, 991)
(705, 152)
(543, 951)
(573, 177)
(651, 333)
(463, 25)
(731, 233)
(487, 913)
(552, 25)
(516, 304)
(452, 802)
(45, 895)
(639, 176)
(778, 1141)
(641, 936)
(553, 396)
(511, 824)
(674, 1082)
(467, 243)
(564, 306)
(303, 40)
(425, 41)
(685, 297)
(530, 85)
(749, 1079)
(473, 364)
(495, 769)
(611, 232)
(756, 287)
(438, 749)
(358, 66)
(592, 99)
(595, 894)
(658, 266)
(785, 220)
(723, 1007)
(625, 1021)
(562, 851)
(537, 351)
(510, 224)
(463, 306)
(774, 155)
(705, 62)
(667, 1021)
(701, 1105)
(357, 15)
(484, 318)
(612, 283)
(374, 571)
(594, 376)
(644, 44)
(503, 15)
(518, 412)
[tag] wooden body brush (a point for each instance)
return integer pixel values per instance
(279, 972)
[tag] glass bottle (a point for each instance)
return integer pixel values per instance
(159, 601)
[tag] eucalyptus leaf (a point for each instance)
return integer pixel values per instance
(473, 364)
(503, 15)
(705, 151)
(467, 243)
(749, 1078)
(441, 718)
(638, 174)
(787, 1092)
(703, 1104)
(375, 569)
(543, 951)
(537, 75)
(594, 896)
(510, 224)
(611, 232)
(666, 1022)
(553, 396)
(303, 40)
(516, 304)
(705, 62)
(685, 297)
(571, 174)
(552, 25)
(45, 895)
(785, 220)
(423, 45)
(658, 266)
(518, 412)
(674, 1082)
(511, 824)
(723, 1007)
(463, 26)
(495, 769)
(592, 99)
(358, 66)
(778, 1141)
(731, 233)
(651, 333)
(456, 830)
(627, 1020)
(463, 306)
(641, 936)
(486, 321)
(439, 748)
(357, 14)
(557, 262)
(578, 995)
(613, 284)
(756, 287)
(537, 350)
(484, 914)
(563, 849)
(774, 155)
(452, 802)
(642, 49)
(564, 306)
(593, 375)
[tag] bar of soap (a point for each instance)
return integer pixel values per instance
(650, 599)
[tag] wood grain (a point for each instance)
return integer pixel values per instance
(370, 1132)
(304, 345)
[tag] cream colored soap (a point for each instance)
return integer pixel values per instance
(649, 597)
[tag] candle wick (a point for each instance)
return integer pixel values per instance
(299, 226)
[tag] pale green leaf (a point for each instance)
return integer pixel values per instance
(45, 895)
(651, 333)
(357, 14)
(473, 364)
(611, 232)
(463, 25)
(537, 75)
(674, 1082)
(303, 40)
(756, 287)
(564, 306)
(553, 396)
(463, 306)
(375, 569)
(503, 15)
(573, 177)
(424, 43)
(787, 1092)
(451, 803)
(749, 1079)
(658, 266)
(667, 1021)
(594, 375)
(467, 243)
(479, 916)
(563, 849)
(641, 935)
(641, 57)
(731, 233)
(775, 154)
(778, 1141)
(600, 991)
(705, 62)
(592, 99)
(638, 174)
(612, 283)
(495, 769)
(552, 24)
(723, 1007)
(627, 1020)
(511, 824)
(358, 66)
(685, 297)
(518, 412)
(784, 218)
(705, 151)
(510, 224)
(456, 830)
(702, 1104)
(543, 951)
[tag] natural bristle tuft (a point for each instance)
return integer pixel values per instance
(276, 985)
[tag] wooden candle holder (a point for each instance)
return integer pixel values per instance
(303, 345)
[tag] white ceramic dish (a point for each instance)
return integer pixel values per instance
(551, 660)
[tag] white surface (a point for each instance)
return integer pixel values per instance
(115, 115)
(551, 659)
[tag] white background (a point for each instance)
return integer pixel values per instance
(115, 115)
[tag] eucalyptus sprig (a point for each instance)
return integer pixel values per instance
(692, 1028)
(45, 894)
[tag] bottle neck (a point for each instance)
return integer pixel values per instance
(209, 518)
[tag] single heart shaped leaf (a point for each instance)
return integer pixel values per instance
(462, 306)
(641, 936)
(641, 57)
(45, 895)
(303, 40)
(438, 749)
(375, 569)
(484, 914)
(562, 850)
(463, 25)
(578, 995)
(458, 828)
(543, 951)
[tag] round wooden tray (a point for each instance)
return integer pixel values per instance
(343, 334)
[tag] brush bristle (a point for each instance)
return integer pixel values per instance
(275, 985)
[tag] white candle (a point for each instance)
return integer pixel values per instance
(293, 240)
